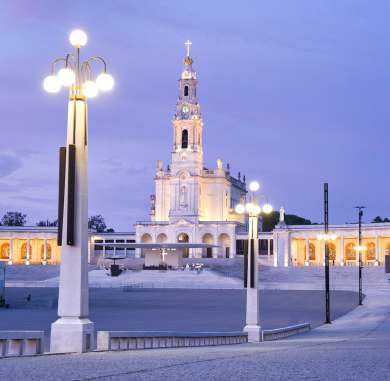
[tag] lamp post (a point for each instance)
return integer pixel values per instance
(326, 237)
(73, 331)
(252, 209)
(360, 248)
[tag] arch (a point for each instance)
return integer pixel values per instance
(183, 237)
(23, 251)
(4, 251)
(332, 251)
(186, 90)
(146, 238)
(350, 252)
(224, 243)
(312, 251)
(208, 251)
(184, 139)
(162, 237)
(48, 252)
(371, 249)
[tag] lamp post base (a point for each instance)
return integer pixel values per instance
(72, 334)
(255, 333)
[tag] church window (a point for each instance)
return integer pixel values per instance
(186, 91)
(184, 139)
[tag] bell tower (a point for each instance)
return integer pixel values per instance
(187, 152)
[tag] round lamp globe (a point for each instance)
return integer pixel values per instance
(51, 84)
(78, 38)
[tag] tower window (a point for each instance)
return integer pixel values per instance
(186, 91)
(184, 139)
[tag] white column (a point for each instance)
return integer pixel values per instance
(233, 247)
(287, 250)
(323, 243)
(252, 327)
(342, 261)
(28, 252)
(11, 251)
(268, 248)
(307, 252)
(275, 249)
(73, 331)
(377, 251)
(44, 262)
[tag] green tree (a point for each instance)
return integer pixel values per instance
(377, 220)
(14, 219)
(269, 221)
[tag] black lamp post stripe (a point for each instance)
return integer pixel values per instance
(61, 191)
(71, 194)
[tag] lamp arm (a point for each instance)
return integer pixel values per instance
(98, 58)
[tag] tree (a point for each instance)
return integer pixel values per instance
(14, 219)
(97, 223)
(377, 220)
(47, 223)
(269, 221)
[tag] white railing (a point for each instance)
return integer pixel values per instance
(21, 343)
(128, 340)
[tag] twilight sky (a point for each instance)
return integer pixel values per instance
(293, 93)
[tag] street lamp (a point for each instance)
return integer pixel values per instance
(252, 209)
(326, 238)
(73, 331)
(360, 248)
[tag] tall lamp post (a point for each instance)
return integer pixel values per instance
(252, 209)
(326, 237)
(73, 331)
(360, 248)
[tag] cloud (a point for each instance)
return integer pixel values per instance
(9, 164)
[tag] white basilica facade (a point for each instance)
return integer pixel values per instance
(191, 202)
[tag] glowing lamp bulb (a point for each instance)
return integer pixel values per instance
(267, 208)
(90, 89)
(51, 84)
(78, 38)
(254, 186)
(105, 82)
(256, 209)
(249, 207)
(66, 76)
(240, 209)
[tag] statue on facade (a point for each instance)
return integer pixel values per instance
(281, 215)
(183, 197)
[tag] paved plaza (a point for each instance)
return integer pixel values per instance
(355, 347)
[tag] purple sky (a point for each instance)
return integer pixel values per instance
(292, 93)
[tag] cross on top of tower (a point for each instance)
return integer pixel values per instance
(188, 44)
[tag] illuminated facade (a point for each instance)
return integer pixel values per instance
(192, 203)
(300, 246)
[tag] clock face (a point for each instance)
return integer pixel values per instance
(185, 109)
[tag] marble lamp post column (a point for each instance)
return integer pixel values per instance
(252, 327)
(73, 331)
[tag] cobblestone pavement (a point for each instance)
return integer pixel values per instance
(355, 347)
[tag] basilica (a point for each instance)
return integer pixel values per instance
(193, 203)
